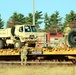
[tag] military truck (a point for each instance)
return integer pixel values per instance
(18, 35)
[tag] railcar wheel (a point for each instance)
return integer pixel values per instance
(74, 61)
(17, 44)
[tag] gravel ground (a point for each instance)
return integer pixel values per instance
(37, 69)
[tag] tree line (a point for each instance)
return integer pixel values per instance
(49, 20)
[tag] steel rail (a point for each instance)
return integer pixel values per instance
(36, 62)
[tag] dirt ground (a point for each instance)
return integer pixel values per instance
(37, 70)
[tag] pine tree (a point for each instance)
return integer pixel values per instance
(1, 23)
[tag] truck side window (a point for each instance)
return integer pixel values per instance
(21, 29)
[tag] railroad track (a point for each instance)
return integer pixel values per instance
(36, 62)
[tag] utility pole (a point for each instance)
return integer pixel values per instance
(33, 12)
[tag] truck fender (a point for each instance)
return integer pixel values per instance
(13, 30)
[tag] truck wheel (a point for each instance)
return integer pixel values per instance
(1, 44)
(72, 38)
(17, 44)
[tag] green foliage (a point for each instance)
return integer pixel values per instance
(54, 19)
(70, 18)
(38, 19)
(16, 19)
(28, 19)
(1, 23)
(46, 21)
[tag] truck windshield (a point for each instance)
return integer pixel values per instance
(27, 29)
(33, 29)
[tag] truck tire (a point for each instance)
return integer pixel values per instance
(72, 38)
(17, 44)
(1, 44)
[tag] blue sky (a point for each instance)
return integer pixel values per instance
(8, 7)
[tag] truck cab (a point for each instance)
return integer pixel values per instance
(25, 33)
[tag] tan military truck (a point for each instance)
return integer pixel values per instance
(18, 35)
